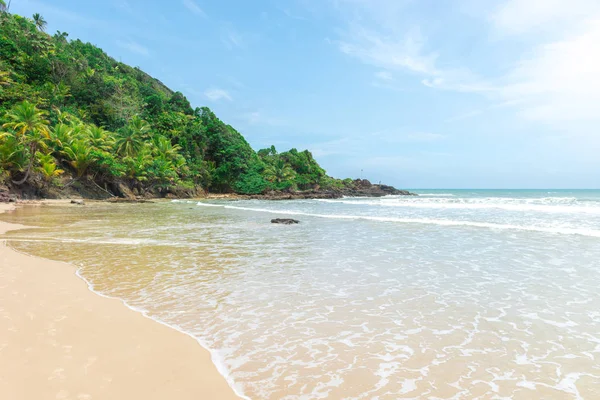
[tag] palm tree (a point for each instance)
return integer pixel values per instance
(99, 138)
(40, 22)
(140, 126)
(80, 156)
(131, 139)
(135, 166)
(61, 136)
(128, 143)
(30, 128)
(279, 172)
(165, 148)
(48, 168)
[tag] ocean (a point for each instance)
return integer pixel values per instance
(454, 294)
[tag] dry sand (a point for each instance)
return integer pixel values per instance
(59, 340)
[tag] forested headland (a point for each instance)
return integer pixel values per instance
(73, 119)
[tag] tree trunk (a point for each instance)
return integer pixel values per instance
(22, 181)
(31, 160)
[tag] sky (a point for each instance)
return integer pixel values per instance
(414, 93)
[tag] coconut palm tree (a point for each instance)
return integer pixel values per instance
(140, 126)
(61, 136)
(128, 143)
(40, 22)
(30, 128)
(131, 139)
(80, 156)
(99, 138)
(279, 172)
(135, 166)
(164, 147)
(48, 168)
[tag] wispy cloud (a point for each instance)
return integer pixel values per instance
(384, 75)
(125, 6)
(556, 77)
(517, 17)
(215, 94)
(133, 47)
(258, 117)
(559, 80)
(373, 48)
(231, 38)
(405, 51)
(194, 8)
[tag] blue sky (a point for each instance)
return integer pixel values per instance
(415, 93)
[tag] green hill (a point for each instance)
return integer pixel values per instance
(72, 116)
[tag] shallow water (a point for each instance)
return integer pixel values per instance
(454, 294)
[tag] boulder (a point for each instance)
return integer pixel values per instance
(284, 221)
(78, 202)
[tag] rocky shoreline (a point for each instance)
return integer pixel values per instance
(359, 188)
(362, 188)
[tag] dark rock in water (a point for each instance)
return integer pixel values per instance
(78, 202)
(284, 221)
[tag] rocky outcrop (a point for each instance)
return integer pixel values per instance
(364, 188)
(293, 195)
(358, 188)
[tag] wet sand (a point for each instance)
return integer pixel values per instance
(59, 340)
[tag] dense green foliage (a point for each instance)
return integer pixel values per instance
(70, 112)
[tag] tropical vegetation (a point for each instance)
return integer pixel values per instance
(70, 113)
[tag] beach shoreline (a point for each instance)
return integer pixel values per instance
(61, 340)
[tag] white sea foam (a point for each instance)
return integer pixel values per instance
(429, 221)
(542, 205)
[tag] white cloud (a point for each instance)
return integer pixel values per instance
(387, 52)
(515, 17)
(550, 65)
(133, 47)
(193, 7)
(384, 76)
(405, 51)
(215, 94)
(559, 80)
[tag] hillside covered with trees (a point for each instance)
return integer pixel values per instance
(73, 117)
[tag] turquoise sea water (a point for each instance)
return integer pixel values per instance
(454, 294)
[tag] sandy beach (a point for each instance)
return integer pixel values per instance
(59, 340)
